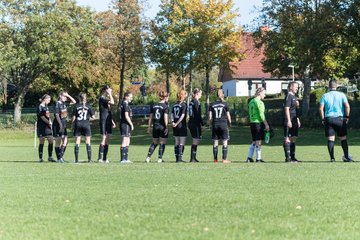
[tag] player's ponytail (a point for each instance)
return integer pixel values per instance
(126, 95)
(181, 95)
(82, 99)
(44, 97)
(220, 95)
(195, 91)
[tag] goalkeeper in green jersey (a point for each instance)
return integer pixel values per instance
(258, 124)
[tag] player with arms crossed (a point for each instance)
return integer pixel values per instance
(59, 126)
(220, 121)
(126, 127)
(81, 121)
(158, 122)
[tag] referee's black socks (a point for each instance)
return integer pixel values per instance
(331, 149)
(345, 148)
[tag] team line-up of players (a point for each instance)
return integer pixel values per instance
(334, 111)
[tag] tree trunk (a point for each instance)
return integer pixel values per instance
(122, 76)
(18, 106)
(167, 81)
(207, 90)
(307, 90)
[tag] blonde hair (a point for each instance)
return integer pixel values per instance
(82, 99)
(181, 95)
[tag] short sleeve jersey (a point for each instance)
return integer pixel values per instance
(195, 113)
(158, 110)
(82, 114)
(125, 107)
(219, 111)
(333, 102)
(290, 102)
(61, 109)
(104, 108)
(179, 109)
(256, 111)
(42, 110)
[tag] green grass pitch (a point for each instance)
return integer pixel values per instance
(314, 199)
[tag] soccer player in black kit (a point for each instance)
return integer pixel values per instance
(81, 120)
(126, 127)
(158, 126)
(59, 126)
(106, 122)
(195, 122)
(291, 123)
(220, 121)
(44, 126)
(178, 116)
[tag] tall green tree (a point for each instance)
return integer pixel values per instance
(307, 34)
(39, 39)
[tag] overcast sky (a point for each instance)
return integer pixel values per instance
(246, 8)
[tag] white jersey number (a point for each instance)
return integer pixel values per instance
(82, 115)
(218, 112)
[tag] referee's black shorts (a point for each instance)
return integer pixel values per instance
(335, 126)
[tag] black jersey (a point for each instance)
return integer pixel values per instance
(104, 108)
(61, 109)
(195, 113)
(42, 111)
(219, 112)
(290, 102)
(82, 114)
(158, 110)
(179, 109)
(125, 107)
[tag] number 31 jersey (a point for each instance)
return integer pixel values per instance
(158, 110)
(219, 111)
(82, 114)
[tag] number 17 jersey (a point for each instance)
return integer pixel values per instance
(219, 111)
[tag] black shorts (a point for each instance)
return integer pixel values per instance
(336, 126)
(56, 130)
(220, 132)
(159, 132)
(257, 131)
(105, 126)
(82, 130)
(180, 130)
(291, 132)
(125, 130)
(43, 131)
(195, 131)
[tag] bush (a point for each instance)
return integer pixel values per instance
(315, 95)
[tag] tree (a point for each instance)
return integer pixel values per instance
(39, 39)
(307, 34)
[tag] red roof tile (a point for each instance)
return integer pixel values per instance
(250, 66)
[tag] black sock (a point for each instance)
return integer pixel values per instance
(58, 153)
(50, 149)
(181, 150)
(121, 153)
(106, 150)
(41, 149)
(76, 152)
(88, 150)
(62, 150)
(292, 150)
(224, 152)
(161, 150)
(215, 152)
(176, 151)
(126, 153)
(193, 152)
(101, 152)
(345, 148)
(287, 150)
(331, 149)
(151, 149)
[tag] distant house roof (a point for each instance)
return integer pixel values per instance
(250, 67)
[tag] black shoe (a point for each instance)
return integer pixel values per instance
(295, 160)
(249, 160)
(194, 160)
(180, 161)
(50, 159)
(332, 160)
(90, 161)
(287, 160)
(260, 161)
(347, 159)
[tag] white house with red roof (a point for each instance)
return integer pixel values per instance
(235, 81)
